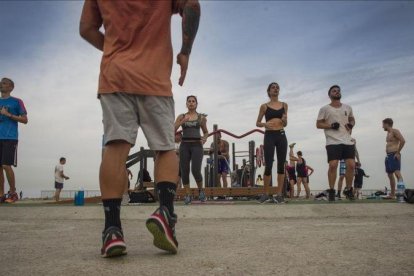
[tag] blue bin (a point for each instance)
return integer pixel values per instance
(79, 198)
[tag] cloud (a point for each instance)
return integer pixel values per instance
(240, 48)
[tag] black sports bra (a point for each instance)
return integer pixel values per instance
(272, 113)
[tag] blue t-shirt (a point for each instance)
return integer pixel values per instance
(8, 127)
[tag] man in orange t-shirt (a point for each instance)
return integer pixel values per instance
(135, 91)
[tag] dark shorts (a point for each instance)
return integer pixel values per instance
(293, 177)
(357, 185)
(339, 152)
(8, 152)
(392, 164)
(302, 174)
(58, 185)
(223, 166)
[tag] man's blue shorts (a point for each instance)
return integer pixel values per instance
(392, 164)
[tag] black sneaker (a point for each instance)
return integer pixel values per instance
(113, 243)
(350, 194)
(162, 226)
(331, 195)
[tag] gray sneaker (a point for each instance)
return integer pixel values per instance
(263, 198)
(202, 196)
(187, 200)
(279, 199)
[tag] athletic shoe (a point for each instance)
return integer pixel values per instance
(350, 194)
(331, 195)
(113, 243)
(11, 198)
(279, 199)
(162, 226)
(3, 199)
(187, 200)
(292, 145)
(202, 196)
(263, 198)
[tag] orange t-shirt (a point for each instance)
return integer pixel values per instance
(137, 55)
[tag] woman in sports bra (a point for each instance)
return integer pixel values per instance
(275, 113)
(191, 147)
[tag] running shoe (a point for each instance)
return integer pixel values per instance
(187, 199)
(162, 226)
(279, 199)
(11, 198)
(113, 243)
(263, 198)
(202, 196)
(331, 195)
(350, 194)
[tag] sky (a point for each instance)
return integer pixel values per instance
(241, 46)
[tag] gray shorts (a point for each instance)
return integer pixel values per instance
(124, 113)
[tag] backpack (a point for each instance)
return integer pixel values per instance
(409, 196)
(142, 196)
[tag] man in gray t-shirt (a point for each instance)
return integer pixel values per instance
(337, 121)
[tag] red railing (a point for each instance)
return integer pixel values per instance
(231, 134)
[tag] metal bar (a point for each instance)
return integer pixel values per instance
(233, 146)
(215, 127)
(141, 168)
(252, 162)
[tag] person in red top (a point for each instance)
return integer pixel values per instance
(135, 90)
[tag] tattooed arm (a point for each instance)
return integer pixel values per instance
(191, 18)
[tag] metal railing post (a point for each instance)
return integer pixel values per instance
(215, 171)
(252, 163)
(233, 146)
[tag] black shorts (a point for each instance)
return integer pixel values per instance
(8, 152)
(339, 152)
(357, 185)
(58, 185)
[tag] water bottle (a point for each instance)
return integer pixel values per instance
(80, 197)
(400, 191)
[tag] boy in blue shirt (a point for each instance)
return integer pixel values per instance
(12, 112)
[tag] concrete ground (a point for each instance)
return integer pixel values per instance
(238, 239)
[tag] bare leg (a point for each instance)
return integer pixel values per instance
(398, 175)
(112, 174)
(280, 182)
(187, 189)
(299, 180)
(392, 184)
(333, 167)
(340, 183)
(292, 189)
(224, 177)
(200, 185)
(57, 194)
(266, 183)
(166, 166)
(350, 172)
(10, 178)
(218, 181)
(305, 183)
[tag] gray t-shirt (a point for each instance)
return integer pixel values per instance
(341, 115)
